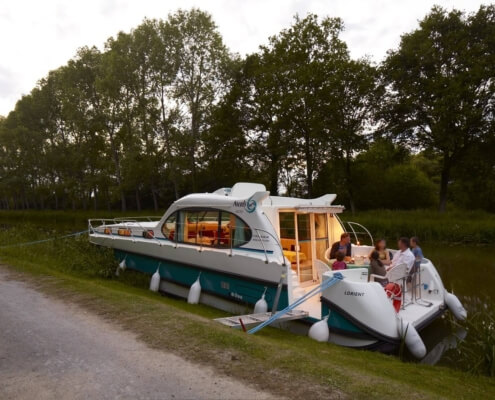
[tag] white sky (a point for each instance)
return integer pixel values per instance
(37, 36)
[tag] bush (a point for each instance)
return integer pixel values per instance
(407, 188)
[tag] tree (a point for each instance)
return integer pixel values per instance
(357, 91)
(301, 64)
(442, 88)
(201, 59)
(309, 101)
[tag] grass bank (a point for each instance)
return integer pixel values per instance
(470, 227)
(473, 227)
(282, 363)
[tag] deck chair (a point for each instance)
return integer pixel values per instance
(397, 274)
(321, 268)
(326, 256)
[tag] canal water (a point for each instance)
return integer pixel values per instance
(469, 272)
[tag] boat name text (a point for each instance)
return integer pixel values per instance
(350, 293)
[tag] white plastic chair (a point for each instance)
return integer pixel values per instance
(326, 256)
(321, 268)
(397, 274)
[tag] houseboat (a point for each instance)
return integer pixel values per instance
(242, 243)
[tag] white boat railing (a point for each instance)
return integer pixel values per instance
(136, 222)
(352, 226)
(275, 240)
(124, 223)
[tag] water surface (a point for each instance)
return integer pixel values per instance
(469, 272)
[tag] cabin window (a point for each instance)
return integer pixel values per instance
(169, 227)
(201, 227)
(239, 231)
(288, 230)
(207, 227)
(303, 227)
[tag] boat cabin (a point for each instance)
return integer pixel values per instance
(307, 229)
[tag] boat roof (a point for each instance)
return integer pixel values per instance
(246, 191)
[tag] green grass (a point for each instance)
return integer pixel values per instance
(275, 360)
(474, 227)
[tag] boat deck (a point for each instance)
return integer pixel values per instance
(312, 305)
(417, 312)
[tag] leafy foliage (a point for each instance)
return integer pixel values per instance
(442, 91)
(166, 109)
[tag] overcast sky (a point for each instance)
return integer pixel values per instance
(37, 36)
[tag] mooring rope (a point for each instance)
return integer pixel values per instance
(44, 240)
(318, 289)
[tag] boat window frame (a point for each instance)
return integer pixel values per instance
(217, 245)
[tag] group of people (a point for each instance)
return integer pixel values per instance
(381, 259)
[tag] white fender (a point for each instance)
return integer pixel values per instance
(411, 336)
(155, 281)
(261, 305)
(319, 331)
(194, 292)
(455, 306)
(122, 266)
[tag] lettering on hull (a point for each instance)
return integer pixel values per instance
(236, 295)
(351, 293)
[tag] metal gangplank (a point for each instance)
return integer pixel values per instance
(288, 312)
(254, 319)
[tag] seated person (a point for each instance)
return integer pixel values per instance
(383, 253)
(404, 255)
(339, 264)
(344, 245)
(377, 267)
(418, 254)
(416, 250)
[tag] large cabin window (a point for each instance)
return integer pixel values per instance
(207, 227)
(200, 227)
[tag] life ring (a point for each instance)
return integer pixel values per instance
(394, 292)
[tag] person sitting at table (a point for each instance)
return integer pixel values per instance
(344, 246)
(377, 267)
(383, 252)
(404, 255)
(339, 264)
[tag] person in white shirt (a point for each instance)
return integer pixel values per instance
(404, 255)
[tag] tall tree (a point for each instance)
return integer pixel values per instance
(201, 59)
(442, 87)
(356, 92)
(306, 57)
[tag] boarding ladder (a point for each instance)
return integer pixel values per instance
(288, 313)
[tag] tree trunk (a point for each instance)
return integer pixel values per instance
(192, 149)
(309, 165)
(155, 197)
(95, 200)
(444, 183)
(138, 200)
(349, 183)
(274, 176)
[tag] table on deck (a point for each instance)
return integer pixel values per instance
(292, 256)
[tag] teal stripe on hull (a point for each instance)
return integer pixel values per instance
(223, 285)
(338, 322)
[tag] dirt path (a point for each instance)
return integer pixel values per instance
(49, 350)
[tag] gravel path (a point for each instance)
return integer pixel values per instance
(49, 350)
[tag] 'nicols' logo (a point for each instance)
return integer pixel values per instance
(249, 205)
